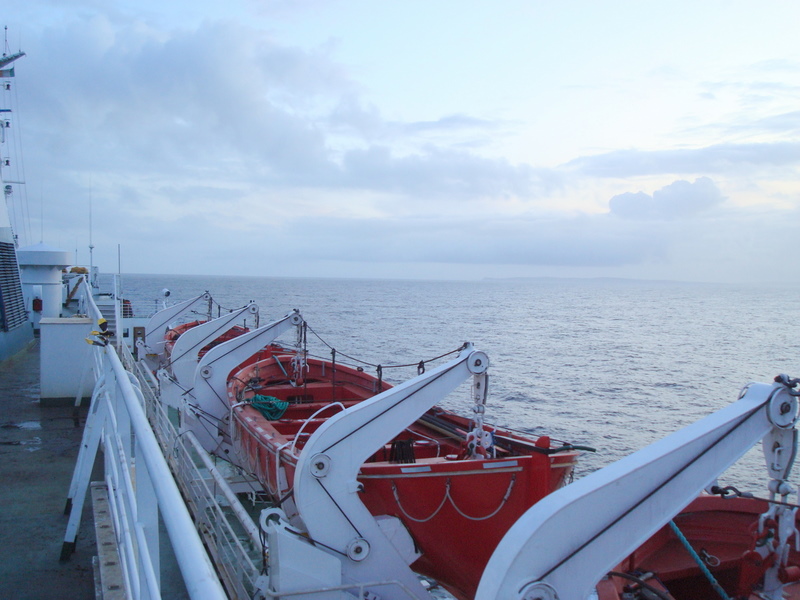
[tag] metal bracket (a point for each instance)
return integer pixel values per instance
(478, 362)
(780, 444)
(780, 449)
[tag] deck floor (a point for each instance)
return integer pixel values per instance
(38, 449)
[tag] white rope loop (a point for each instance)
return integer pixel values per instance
(447, 496)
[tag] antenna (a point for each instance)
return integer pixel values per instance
(91, 245)
(119, 269)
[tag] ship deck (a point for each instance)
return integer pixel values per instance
(38, 450)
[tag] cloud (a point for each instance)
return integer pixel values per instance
(224, 106)
(161, 103)
(206, 144)
(450, 123)
(595, 242)
(720, 158)
(787, 124)
(562, 242)
(723, 247)
(678, 200)
(444, 172)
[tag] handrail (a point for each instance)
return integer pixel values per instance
(198, 572)
(171, 474)
(120, 421)
(250, 528)
(303, 426)
(226, 536)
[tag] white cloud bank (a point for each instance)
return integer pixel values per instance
(678, 200)
(211, 145)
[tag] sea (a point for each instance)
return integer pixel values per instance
(606, 363)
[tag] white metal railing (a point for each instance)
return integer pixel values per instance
(230, 533)
(151, 467)
(140, 485)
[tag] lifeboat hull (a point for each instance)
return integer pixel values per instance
(456, 509)
(723, 531)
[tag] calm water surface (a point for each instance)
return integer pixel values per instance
(611, 364)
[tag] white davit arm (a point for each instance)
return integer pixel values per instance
(209, 405)
(159, 323)
(185, 352)
(561, 547)
(325, 485)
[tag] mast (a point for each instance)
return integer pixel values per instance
(15, 329)
(6, 178)
(91, 244)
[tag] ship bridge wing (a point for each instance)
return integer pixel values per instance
(10, 58)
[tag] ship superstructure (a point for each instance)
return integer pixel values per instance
(15, 331)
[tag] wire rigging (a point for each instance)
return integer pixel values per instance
(381, 367)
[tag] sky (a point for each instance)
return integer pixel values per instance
(417, 139)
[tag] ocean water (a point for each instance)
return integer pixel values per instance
(611, 364)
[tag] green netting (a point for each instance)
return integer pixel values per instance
(269, 406)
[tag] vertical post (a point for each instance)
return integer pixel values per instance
(123, 418)
(117, 295)
(147, 516)
(90, 442)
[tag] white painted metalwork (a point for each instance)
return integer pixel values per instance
(234, 540)
(326, 490)
(152, 469)
(185, 352)
(177, 372)
(128, 417)
(161, 321)
(566, 542)
(140, 488)
(208, 407)
(229, 532)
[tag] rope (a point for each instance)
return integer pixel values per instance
(375, 366)
(429, 517)
(496, 510)
(711, 579)
(447, 496)
(269, 406)
(220, 307)
(730, 491)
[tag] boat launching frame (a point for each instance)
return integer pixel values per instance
(152, 470)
